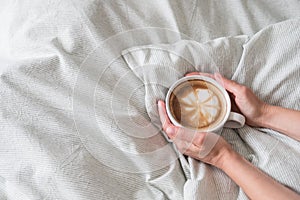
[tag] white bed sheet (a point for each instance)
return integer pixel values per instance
(42, 47)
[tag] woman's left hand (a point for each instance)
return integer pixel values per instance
(206, 147)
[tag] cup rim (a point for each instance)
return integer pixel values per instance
(205, 78)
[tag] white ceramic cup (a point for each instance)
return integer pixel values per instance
(230, 120)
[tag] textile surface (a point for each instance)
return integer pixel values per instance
(78, 117)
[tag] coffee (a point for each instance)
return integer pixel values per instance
(197, 104)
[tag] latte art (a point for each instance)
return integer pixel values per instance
(197, 104)
(201, 106)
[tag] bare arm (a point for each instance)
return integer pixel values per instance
(254, 182)
(284, 120)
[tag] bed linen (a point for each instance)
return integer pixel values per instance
(44, 45)
(272, 72)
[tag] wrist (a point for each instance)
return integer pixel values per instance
(230, 159)
(265, 114)
(227, 155)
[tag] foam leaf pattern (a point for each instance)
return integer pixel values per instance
(199, 108)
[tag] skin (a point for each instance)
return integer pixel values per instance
(255, 183)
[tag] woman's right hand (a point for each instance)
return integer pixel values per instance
(244, 99)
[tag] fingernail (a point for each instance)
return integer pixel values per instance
(159, 103)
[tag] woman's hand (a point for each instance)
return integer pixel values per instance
(257, 112)
(244, 100)
(207, 147)
(213, 149)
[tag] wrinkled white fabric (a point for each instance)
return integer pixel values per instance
(42, 46)
(267, 63)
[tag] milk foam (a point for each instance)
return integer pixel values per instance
(200, 107)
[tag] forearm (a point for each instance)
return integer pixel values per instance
(284, 120)
(254, 182)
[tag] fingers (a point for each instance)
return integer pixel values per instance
(229, 85)
(174, 132)
(186, 148)
(189, 142)
(200, 146)
(171, 130)
(185, 139)
(178, 135)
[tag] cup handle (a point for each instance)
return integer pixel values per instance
(235, 120)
